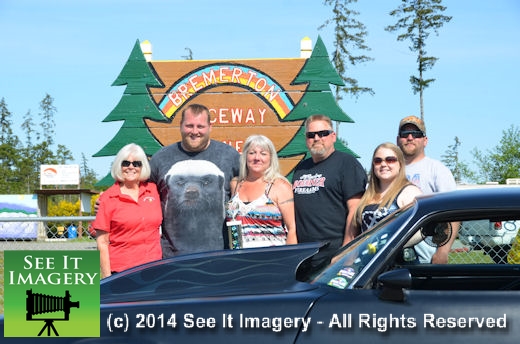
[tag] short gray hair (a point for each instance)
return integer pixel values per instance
(124, 153)
(317, 117)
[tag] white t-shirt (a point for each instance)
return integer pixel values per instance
(430, 176)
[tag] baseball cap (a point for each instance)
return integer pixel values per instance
(419, 123)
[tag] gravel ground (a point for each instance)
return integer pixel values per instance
(57, 244)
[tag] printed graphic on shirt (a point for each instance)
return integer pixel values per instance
(416, 179)
(371, 217)
(309, 184)
(194, 211)
(148, 199)
(51, 294)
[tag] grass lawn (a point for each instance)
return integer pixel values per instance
(469, 257)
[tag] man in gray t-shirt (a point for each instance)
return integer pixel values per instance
(428, 174)
(193, 179)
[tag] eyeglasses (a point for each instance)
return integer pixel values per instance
(126, 163)
(388, 160)
(321, 133)
(416, 134)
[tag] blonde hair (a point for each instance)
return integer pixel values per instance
(369, 197)
(273, 171)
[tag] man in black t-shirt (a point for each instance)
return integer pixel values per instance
(327, 189)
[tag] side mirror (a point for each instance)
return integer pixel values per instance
(392, 284)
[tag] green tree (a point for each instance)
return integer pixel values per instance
(6, 122)
(88, 176)
(39, 146)
(47, 122)
(9, 152)
(135, 105)
(460, 170)
(25, 166)
(20, 160)
(28, 128)
(417, 19)
(503, 161)
(349, 39)
(63, 154)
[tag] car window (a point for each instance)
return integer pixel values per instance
(479, 241)
(480, 258)
(486, 241)
(357, 255)
(352, 261)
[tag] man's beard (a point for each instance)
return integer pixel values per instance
(409, 150)
(318, 151)
(190, 145)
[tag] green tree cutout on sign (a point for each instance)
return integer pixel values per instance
(135, 106)
(319, 73)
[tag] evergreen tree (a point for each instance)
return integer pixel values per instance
(417, 19)
(88, 176)
(9, 152)
(20, 161)
(135, 106)
(6, 130)
(47, 122)
(349, 37)
(25, 166)
(41, 150)
(62, 155)
(503, 161)
(28, 128)
(460, 170)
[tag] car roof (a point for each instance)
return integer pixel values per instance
(507, 199)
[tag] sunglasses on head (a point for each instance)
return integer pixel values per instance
(321, 133)
(416, 134)
(388, 160)
(126, 163)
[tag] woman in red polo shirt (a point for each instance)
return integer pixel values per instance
(129, 216)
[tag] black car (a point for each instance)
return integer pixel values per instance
(375, 290)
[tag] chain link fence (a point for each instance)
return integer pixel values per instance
(493, 238)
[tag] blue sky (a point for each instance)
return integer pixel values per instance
(74, 50)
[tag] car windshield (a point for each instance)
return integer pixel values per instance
(355, 256)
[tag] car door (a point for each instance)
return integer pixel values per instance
(471, 299)
(426, 304)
